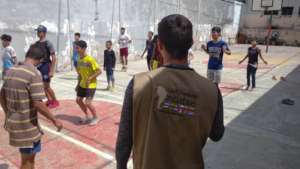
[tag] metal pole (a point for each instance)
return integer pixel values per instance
(179, 7)
(154, 16)
(112, 20)
(58, 32)
(198, 19)
(96, 11)
(120, 14)
(269, 32)
(69, 30)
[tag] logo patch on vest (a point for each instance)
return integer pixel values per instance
(176, 103)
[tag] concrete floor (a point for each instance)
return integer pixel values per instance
(261, 133)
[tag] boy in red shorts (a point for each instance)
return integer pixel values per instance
(124, 41)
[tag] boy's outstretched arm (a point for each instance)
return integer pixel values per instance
(261, 57)
(243, 59)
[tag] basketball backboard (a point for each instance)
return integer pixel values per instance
(270, 5)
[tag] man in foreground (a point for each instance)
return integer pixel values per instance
(169, 113)
(21, 99)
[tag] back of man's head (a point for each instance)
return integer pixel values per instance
(35, 52)
(175, 32)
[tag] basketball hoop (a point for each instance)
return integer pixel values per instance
(266, 5)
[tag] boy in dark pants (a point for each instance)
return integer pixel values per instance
(253, 53)
(109, 65)
(149, 49)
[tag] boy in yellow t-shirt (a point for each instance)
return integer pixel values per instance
(88, 71)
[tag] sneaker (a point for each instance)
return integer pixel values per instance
(53, 104)
(112, 89)
(247, 88)
(108, 88)
(86, 120)
(94, 121)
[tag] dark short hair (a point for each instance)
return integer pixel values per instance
(122, 28)
(77, 34)
(81, 44)
(35, 52)
(6, 37)
(109, 41)
(176, 33)
(216, 29)
(155, 38)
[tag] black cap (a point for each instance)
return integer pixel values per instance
(81, 44)
(41, 28)
(216, 29)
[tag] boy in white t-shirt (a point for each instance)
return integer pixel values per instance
(8, 54)
(124, 41)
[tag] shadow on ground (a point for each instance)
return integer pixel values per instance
(72, 119)
(265, 136)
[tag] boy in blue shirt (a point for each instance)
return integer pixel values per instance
(216, 49)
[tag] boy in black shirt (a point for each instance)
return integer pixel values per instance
(109, 65)
(253, 53)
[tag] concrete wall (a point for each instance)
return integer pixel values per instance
(20, 17)
(255, 24)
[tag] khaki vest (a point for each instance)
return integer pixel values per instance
(173, 111)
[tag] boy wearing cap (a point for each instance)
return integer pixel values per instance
(47, 65)
(8, 54)
(88, 70)
(216, 49)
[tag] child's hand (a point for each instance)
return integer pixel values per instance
(203, 47)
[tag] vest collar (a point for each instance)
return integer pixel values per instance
(176, 66)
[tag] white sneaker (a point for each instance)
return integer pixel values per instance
(94, 121)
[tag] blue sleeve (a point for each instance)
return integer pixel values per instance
(226, 45)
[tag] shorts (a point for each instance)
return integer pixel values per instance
(86, 92)
(214, 75)
(37, 147)
(124, 52)
(44, 68)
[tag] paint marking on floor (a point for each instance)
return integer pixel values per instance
(79, 143)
